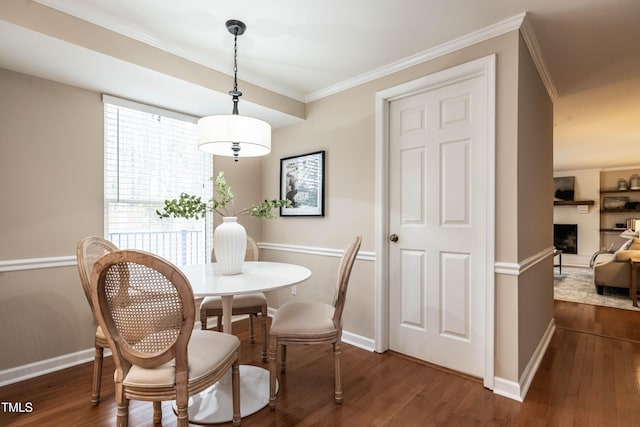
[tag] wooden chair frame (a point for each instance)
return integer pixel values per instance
(334, 337)
(88, 251)
(117, 265)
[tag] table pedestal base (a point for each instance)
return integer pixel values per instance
(215, 405)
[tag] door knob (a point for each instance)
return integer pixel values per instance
(393, 237)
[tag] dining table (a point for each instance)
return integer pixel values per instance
(214, 405)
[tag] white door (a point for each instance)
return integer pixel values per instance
(438, 199)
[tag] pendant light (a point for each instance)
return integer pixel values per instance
(233, 134)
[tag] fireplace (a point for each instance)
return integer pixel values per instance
(565, 238)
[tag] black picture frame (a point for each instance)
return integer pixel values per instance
(563, 188)
(302, 182)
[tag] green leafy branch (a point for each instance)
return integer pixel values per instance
(189, 206)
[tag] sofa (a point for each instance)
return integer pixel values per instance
(615, 272)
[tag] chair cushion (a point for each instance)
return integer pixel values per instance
(207, 350)
(303, 319)
(100, 334)
(246, 300)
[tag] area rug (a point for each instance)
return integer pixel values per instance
(575, 284)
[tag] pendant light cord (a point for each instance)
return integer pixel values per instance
(235, 93)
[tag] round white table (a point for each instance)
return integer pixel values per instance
(214, 405)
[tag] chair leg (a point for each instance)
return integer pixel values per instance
(203, 319)
(337, 352)
(182, 410)
(264, 336)
(283, 358)
(97, 375)
(235, 385)
(122, 419)
(157, 412)
(219, 323)
(252, 335)
(273, 349)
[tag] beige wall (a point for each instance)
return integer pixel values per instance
(343, 125)
(535, 207)
(51, 187)
(244, 178)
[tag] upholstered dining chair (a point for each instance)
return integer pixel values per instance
(251, 304)
(146, 308)
(312, 323)
(88, 251)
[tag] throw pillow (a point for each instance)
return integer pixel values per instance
(624, 256)
(626, 245)
(635, 245)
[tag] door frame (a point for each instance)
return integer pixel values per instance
(485, 67)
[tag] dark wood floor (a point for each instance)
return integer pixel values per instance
(590, 376)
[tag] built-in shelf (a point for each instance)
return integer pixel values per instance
(573, 202)
(619, 210)
(614, 190)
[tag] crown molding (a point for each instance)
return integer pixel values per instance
(619, 168)
(530, 39)
(105, 21)
(497, 29)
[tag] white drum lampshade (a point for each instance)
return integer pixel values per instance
(217, 134)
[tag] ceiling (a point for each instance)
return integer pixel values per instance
(306, 50)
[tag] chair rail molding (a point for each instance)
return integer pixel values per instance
(517, 268)
(70, 260)
(37, 263)
(312, 250)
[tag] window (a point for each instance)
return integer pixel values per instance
(151, 155)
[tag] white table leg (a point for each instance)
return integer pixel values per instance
(227, 308)
(214, 404)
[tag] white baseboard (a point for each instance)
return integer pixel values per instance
(358, 341)
(518, 390)
(46, 366)
(507, 388)
(42, 367)
(347, 337)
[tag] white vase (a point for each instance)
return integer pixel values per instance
(230, 245)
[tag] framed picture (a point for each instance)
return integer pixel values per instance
(563, 188)
(302, 182)
(615, 203)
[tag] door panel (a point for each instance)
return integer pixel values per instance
(412, 170)
(438, 210)
(413, 284)
(455, 290)
(455, 183)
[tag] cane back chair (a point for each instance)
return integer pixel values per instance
(146, 308)
(312, 323)
(88, 251)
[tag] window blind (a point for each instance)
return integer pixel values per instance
(150, 156)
